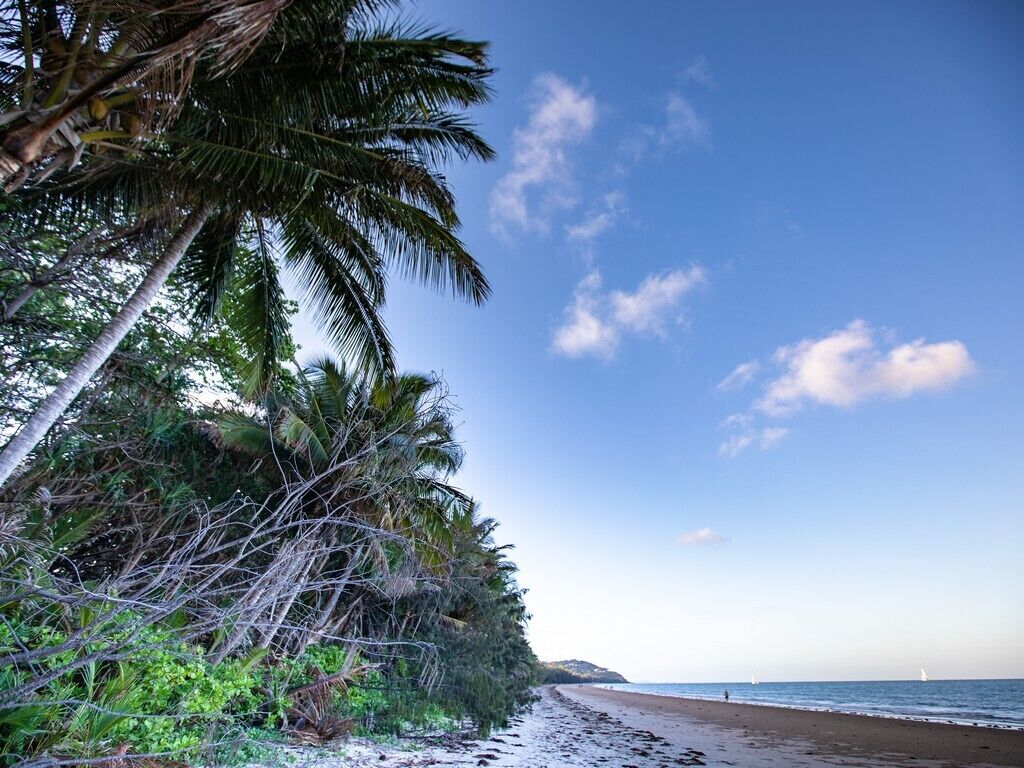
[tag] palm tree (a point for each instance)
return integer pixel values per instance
(373, 459)
(78, 74)
(398, 429)
(325, 144)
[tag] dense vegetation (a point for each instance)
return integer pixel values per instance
(205, 546)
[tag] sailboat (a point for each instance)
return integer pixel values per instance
(753, 680)
(924, 676)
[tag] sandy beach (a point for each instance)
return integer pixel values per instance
(584, 726)
(745, 734)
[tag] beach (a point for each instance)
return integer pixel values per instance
(579, 725)
(751, 735)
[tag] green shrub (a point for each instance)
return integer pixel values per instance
(184, 696)
(161, 696)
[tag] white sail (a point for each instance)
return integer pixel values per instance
(924, 676)
(753, 680)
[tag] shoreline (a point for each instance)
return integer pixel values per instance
(882, 715)
(889, 739)
(580, 726)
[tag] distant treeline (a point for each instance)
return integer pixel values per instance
(554, 675)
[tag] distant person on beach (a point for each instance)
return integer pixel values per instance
(726, 694)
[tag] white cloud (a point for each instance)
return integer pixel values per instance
(763, 438)
(597, 221)
(840, 369)
(741, 375)
(736, 420)
(683, 126)
(584, 332)
(644, 310)
(594, 321)
(702, 537)
(699, 71)
(736, 444)
(590, 227)
(770, 436)
(561, 114)
(847, 367)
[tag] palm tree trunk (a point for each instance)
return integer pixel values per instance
(99, 351)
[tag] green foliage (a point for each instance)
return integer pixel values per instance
(247, 746)
(331, 164)
(162, 696)
(391, 707)
(198, 695)
(414, 621)
(551, 675)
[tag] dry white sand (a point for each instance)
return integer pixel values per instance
(583, 726)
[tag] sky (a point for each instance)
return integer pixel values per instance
(749, 395)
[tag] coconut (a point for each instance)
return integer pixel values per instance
(132, 124)
(98, 108)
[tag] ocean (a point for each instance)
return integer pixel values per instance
(997, 703)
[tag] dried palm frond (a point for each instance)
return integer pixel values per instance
(313, 712)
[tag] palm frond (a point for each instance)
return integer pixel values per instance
(348, 310)
(209, 264)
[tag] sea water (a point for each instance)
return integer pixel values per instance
(973, 702)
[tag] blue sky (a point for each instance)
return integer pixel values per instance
(749, 395)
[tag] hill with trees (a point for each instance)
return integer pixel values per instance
(577, 671)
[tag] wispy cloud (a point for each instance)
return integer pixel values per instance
(740, 376)
(681, 127)
(592, 225)
(849, 366)
(597, 221)
(595, 321)
(561, 114)
(764, 438)
(701, 537)
(584, 331)
(646, 309)
(698, 71)
(734, 420)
